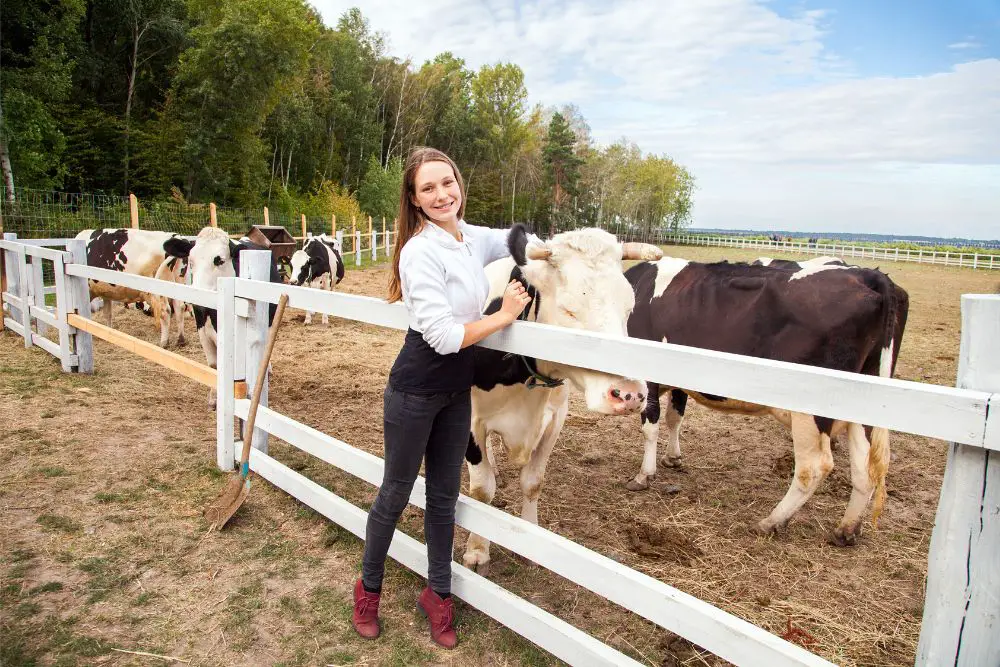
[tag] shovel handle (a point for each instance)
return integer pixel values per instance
(272, 335)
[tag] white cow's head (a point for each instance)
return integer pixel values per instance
(210, 256)
(578, 281)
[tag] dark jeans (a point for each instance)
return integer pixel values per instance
(419, 427)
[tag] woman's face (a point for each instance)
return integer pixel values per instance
(437, 192)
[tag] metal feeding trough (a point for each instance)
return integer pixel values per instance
(276, 239)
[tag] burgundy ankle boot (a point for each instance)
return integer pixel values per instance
(365, 618)
(440, 614)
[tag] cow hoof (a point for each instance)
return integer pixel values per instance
(181, 342)
(844, 537)
(672, 462)
(478, 561)
(766, 527)
(634, 485)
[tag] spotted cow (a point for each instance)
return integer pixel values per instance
(576, 281)
(838, 317)
(139, 252)
(319, 264)
(213, 255)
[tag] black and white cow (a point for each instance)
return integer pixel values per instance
(576, 281)
(139, 252)
(843, 318)
(213, 255)
(316, 265)
(822, 260)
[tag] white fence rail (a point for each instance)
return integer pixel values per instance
(961, 415)
(969, 260)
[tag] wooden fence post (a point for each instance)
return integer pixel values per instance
(213, 218)
(267, 217)
(333, 224)
(354, 229)
(225, 372)
(961, 623)
(133, 210)
(78, 293)
(303, 228)
(256, 265)
(385, 239)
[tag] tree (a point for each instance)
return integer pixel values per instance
(561, 162)
(379, 191)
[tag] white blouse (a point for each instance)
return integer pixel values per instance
(444, 285)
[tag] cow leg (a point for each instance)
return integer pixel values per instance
(208, 343)
(179, 308)
(161, 308)
(813, 462)
(533, 473)
(327, 285)
(673, 419)
(650, 418)
(849, 528)
(482, 487)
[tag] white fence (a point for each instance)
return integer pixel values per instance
(945, 258)
(963, 607)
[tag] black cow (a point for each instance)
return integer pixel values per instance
(139, 252)
(213, 255)
(849, 319)
(316, 265)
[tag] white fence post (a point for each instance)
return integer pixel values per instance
(62, 304)
(374, 245)
(225, 369)
(37, 289)
(10, 269)
(78, 291)
(961, 623)
(24, 293)
(340, 239)
(256, 265)
(357, 245)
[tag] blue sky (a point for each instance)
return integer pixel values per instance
(878, 116)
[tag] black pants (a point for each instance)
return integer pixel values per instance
(418, 427)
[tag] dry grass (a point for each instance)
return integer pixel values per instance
(103, 479)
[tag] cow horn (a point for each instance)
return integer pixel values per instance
(538, 252)
(646, 251)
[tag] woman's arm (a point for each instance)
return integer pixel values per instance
(515, 299)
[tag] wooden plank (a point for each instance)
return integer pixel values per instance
(537, 625)
(13, 301)
(44, 316)
(46, 243)
(190, 369)
(961, 623)
(31, 249)
(186, 293)
(49, 346)
(947, 413)
(213, 219)
(78, 293)
(24, 292)
(133, 211)
(724, 634)
(37, 289)
(13, 325)
(224, 366)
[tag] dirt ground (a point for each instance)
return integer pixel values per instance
(103, 478)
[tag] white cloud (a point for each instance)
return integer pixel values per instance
(773, 125)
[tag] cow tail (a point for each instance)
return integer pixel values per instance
(878, 453)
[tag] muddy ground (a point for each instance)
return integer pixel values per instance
(103, 478)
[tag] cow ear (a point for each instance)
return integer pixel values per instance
(517, 241)
(175, 246)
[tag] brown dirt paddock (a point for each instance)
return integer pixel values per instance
(103, 477)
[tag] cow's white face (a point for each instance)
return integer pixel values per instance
(581, 285)
(300, 268)
(211, 258)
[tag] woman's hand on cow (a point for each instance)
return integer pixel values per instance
(515, 299)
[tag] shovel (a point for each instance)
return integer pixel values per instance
(236, 491)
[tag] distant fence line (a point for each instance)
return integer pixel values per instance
(972, 260)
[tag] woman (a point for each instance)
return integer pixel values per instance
(438, 273)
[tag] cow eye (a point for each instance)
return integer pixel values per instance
(218, 261)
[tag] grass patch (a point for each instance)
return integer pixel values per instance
(53, 471)
(105, 578)
(26, 610)
(105, 497)
(332, 533)
(49, 587)
(48, 414)
(405, 652)
(241, 608)
(58, 522)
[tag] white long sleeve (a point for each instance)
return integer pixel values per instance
(423, 275)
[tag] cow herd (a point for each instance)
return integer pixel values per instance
(821, 312)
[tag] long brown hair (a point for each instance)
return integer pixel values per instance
(411, 218)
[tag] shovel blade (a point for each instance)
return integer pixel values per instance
(230, 500)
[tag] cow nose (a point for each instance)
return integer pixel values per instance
(616, 393)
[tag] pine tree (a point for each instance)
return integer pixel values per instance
(562, 165)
